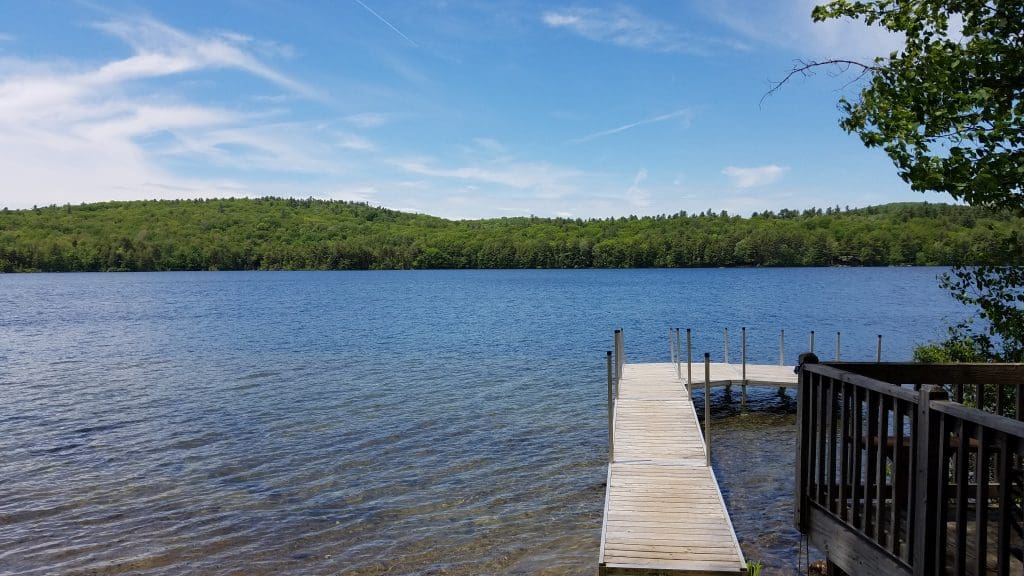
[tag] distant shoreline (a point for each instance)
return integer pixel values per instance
(289, 234)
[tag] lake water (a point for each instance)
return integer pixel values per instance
(436, 422)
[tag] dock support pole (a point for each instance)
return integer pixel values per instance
(621, 360)
(743, 359)
(707, 408)
(782, 355)
(611, 412)
(837, 347)
(671, 348)
(689, 365)
(878, 352)
(812, 342)
(679, 361)
(618, 366)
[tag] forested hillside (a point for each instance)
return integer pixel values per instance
(289, 234)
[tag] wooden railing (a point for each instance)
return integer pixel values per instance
(894, 477)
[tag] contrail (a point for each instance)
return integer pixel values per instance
(390, 25)
(662, 118)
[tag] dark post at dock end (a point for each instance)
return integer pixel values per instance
(802, 425)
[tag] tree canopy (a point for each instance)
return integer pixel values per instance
(947, 108)
(290, 234)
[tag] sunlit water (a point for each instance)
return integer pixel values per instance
(383, 422)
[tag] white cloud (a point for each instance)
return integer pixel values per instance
(754, 177)
(369, 119)
(104, 133)
(161, 50)
(685, 115)
(542, 179)
(353, 142)
(636, 195)
(628, 28)
(6, 37)
(789, 25)
(365, 193)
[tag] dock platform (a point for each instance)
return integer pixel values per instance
(664, 512)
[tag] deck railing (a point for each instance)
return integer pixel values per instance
(894, 477)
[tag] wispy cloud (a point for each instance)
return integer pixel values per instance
(754, 177)
(628, 28)
(162, 50)
(789, 25)
(636, 195)
(685, 114)
(369, 119)
(540, 178)
(389, 24)
(114, 134)
(4, 37)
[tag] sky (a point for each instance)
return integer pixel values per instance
(459, 109)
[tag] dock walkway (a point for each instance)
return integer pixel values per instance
(664, 512)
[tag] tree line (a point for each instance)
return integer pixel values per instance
(311, 234)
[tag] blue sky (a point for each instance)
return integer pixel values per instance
(457, 109)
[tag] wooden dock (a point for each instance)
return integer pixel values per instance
(664, 512)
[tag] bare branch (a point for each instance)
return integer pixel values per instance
(807, 67)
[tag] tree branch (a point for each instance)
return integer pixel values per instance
(806, 68)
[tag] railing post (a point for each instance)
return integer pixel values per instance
(726, 359)
(611, 413)
(803, 438)
(812, 342)
(782, 347)
(689, 364)
(671, 348)
(837, 347)
(615, 347)
(878, 352)
(620, 357)
(707, 408)
(743, 360)
(622, 350)
(928, 473)
(679, 361)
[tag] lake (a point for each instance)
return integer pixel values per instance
(431, 422)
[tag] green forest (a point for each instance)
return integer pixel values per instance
(293, 234)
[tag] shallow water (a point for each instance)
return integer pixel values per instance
(753, 455)
(380, 423)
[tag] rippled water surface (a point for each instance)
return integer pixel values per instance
(380, 422)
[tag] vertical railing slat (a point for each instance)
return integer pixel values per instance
(961, 468)
(898, 478)
(938, 528)
(1005, 503)
(880, 471)
(845, 470)
(830, 420)
(981, 469)
(871, 442)
(858, 459)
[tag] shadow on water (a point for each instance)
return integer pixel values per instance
(752, 454)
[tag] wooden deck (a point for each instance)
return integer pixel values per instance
(664, 512)
(732, 374)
